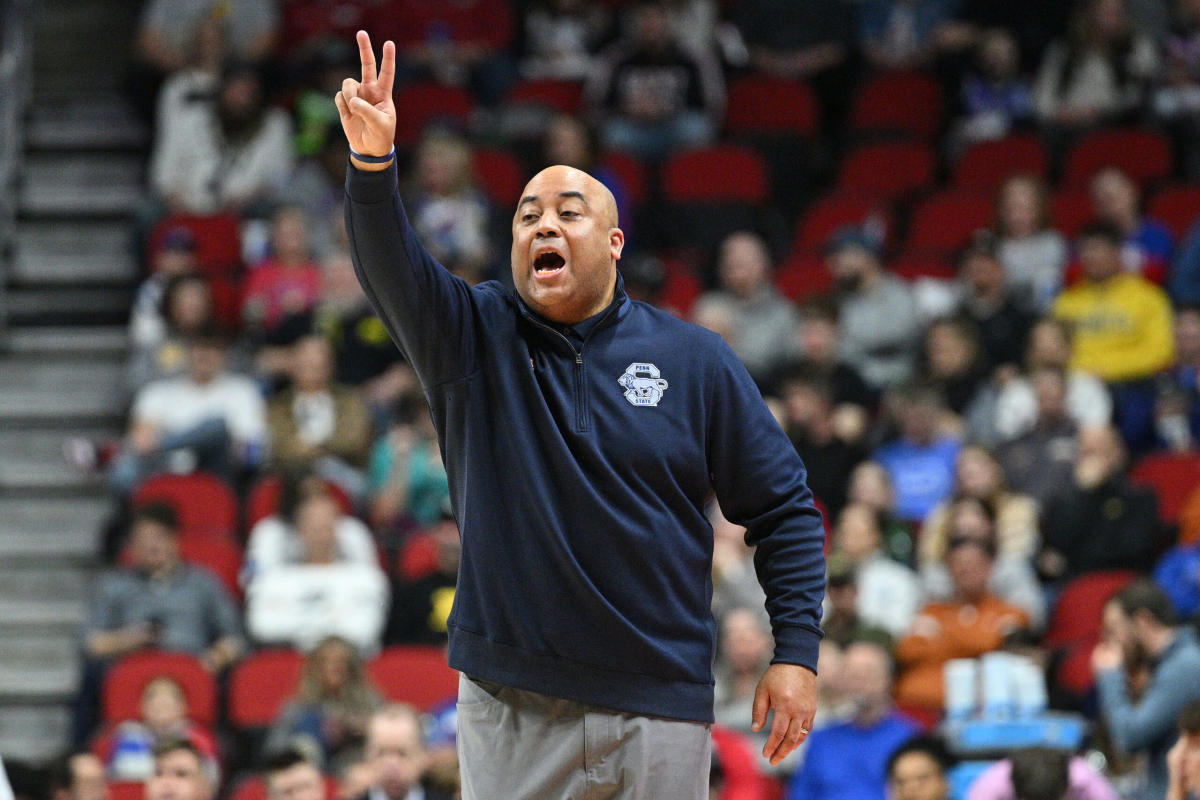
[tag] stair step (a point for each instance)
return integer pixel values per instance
(91, 305)
(34, 462)
(85, 123)
(53, 680)
(74, 252)
(44, 615)
(94, 341)
(41, 390)
(88, 185)
(50, 527)
(52, 724)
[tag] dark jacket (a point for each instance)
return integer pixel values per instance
(579, 474)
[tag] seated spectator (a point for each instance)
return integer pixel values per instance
(1148, 244)
(971, 623)
(1177, 405)
(311, 25)
(325, 594)
(1102, 521)
(888, 594)
(830, 452)
(819, 354)
(561, 37)
(219, 146)
(1040, 462)
(1096, 75)
(877, 316)
(995, 95)
(1183, 759)
(157, 601)
(764, 322)
(1002, 323)
(288, 281)
(1051, 345)
(290, 775)
(871, 485)
(206, 419)
(571, 141)
(396, 750)
(461, 43)
(331, 707)
(181, 772)
(175, 256)
(1034, 255)
(1176, 96)
(1185, 271)
(977, 475)
(450, 215)
(921, 460)
(78, 775)
(1012, 578)
(652, 95)
(169, 30)
(735, 581)
(1122, 326)
(128, 750)
(744, 652)
(1178, 574)
(849, 759)
(276, 542)
(918, 770)
(1140, 631)
(953, 363)
(421, 604)
(1041, 773)
(840, 620)
(319, 425)
(317, 186)
(407, 479)
(185, 309)
(901, 34)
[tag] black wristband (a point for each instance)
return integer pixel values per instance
(374, 159)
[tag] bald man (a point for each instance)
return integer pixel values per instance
(583, 434)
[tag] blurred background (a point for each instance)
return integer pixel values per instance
(955, 242)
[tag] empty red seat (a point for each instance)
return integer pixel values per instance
(803, 276)
(261, 685)
(421, 104)
(681, 287)
(944, 222)
(264, 499)
(821, 220)
(888, 170)
(564, 96)
(985, 165)
(1171, 476)
(1142, 153)
(126, 790)
(758, 104)
(1070, 211)
(1075, 623)
(914, 264)
(1178, 206)
(204, 502)
(904, 102)
(721, 174)
(413, 674)
(500, 176)
(218, 554)
(629, 171)
(123, 685)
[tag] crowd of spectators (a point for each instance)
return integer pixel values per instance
(972, 419)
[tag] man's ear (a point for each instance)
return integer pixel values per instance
(616, 242)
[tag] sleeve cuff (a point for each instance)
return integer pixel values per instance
(796, 645)
(371, 187)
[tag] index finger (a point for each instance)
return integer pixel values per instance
(366, 55)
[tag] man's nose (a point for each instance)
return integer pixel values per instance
(547, 227)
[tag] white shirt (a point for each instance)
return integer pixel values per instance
(302, 604)
(274, 544)
(177, 404)
(889, 594)
(1088, 404)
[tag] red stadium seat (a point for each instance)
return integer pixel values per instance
(986, 165)
(1074, 627)
(1178, 206)
(500, 176)
(629, 171)
(425, 103)
(1172, 477)
(821, 220)
(944, 222)
(124, 683)
(899, 102)
(218, 554)
(418, 557)
(681, 288)
(126, 790)
(413, 674)
(261, 685)
(264, 499)
(204, 502)
(914, 264)
(888, 170)
(721, 174)
(1144, 154)
(803, 276)
(762, 105)
(218, 240)
(1070, 211)
(564, 96)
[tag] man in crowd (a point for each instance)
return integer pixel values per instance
(1142, 633)
(1183, 760)
(181, 772)
(78, 776)
(918, 770)
(291, 776)
(395, 749)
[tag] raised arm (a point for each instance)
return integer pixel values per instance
(427, 311)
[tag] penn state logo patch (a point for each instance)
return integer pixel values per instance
(643, 384)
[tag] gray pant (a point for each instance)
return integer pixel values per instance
(519, 745)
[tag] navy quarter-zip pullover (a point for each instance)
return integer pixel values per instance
(579, 469)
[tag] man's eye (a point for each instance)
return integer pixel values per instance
(528, 217)
(569, 214)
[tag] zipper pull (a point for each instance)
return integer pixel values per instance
(579, 357)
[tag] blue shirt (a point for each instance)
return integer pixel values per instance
(847, 762)
(922, 475)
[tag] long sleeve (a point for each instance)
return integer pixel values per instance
(428, 312)
(760, 483)
(1137, 726)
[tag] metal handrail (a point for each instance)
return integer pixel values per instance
(15, 69)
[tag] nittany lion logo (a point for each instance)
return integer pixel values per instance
(643, 386)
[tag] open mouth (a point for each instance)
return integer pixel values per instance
(547, 262)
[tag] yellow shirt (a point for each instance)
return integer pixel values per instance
(1122, 327)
